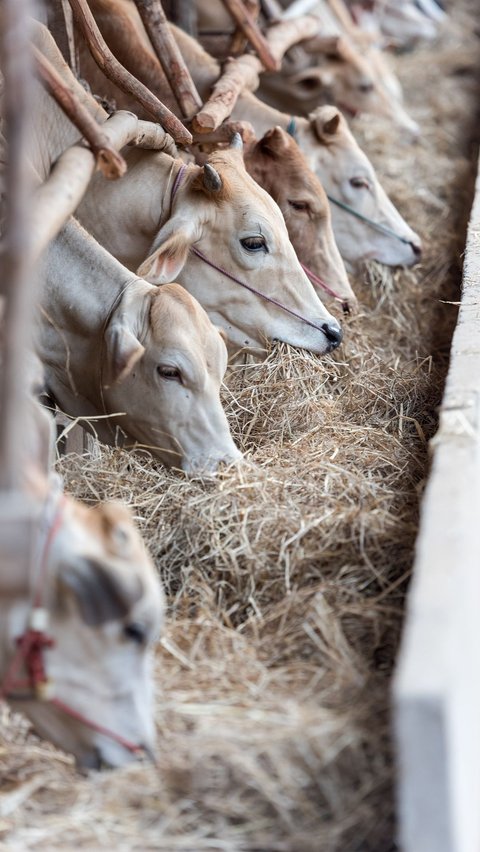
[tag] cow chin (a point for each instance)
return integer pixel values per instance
(209, 465)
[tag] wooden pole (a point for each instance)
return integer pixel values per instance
(112, 69)
(237, 75)
(168, 53)
(60, 24)
(110, 162)
(242, 73)
(16, 268)
(239, 42)
(249, 26)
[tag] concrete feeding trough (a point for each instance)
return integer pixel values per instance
(437, 685)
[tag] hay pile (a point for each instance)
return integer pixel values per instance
(286, 578)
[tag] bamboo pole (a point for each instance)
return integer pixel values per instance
(112, 68)
(58, 197)
(168, 53)
(249, 26)
(16, 268)
(110, 162)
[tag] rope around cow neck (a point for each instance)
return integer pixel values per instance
(377, 226)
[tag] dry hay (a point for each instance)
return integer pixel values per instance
(286, 578)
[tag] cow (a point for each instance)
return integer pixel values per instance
(219, 210)
(324, 137)
(305, 208)
(79, 618)
(113, 344)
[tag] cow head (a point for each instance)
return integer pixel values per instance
(304, 205)
(221, 211)
(106, 608)
(348, 176)
(354, 78)
(165, 362)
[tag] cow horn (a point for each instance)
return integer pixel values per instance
(211, 179)
(236, 142)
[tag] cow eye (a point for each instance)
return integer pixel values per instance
(299, 205)
(136, 632)
(254, 244)
(359, 183)
(170, 374)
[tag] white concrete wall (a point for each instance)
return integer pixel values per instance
(437, 684)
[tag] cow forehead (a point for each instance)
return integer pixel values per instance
(178, 320)
(233, 173)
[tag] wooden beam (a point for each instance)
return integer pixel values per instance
(169, 56)
(16, 266)
(112, 69)
(110, 162)
(242, 73)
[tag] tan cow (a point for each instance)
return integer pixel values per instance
(147, 356)
(93, 595)
(330, 148)
(277, 163)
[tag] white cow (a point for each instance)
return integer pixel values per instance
(148, 356)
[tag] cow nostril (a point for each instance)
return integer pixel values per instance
(417, 250)
(333, 333)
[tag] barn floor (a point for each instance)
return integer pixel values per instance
(286, 579)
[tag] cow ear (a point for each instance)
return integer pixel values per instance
(326, 122)
(123, 351)
(275, 142)
(100, 593)
(167, 261)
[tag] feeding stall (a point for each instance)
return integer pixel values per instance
(287, 577)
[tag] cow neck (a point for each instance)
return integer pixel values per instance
(34, 641)
(262, 116)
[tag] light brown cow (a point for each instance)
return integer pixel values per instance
(277, 163)
(355, 77)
